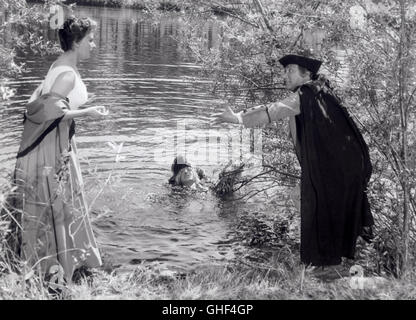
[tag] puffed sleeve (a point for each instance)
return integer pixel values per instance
(288, 107)
(263, 114)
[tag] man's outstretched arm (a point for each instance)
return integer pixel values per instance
(263, 114)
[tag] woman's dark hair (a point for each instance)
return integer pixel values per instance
(74, 30)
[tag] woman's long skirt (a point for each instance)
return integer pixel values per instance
(52, 224)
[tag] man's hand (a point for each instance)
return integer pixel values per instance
(228, 116)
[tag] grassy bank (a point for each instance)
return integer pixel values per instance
(209, 282)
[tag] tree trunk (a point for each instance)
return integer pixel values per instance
(404, 143)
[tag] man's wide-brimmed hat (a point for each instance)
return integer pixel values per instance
(310, 64)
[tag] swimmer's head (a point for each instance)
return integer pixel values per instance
(186, 177)
(182, 172)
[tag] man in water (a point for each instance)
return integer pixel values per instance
(333, 157)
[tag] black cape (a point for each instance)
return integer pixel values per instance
(336, 168)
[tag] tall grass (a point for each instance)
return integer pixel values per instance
(206, 282)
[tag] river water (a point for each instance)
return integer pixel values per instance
(156, 99)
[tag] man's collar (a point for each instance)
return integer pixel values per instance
(297, 88)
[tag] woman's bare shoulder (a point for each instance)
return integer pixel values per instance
(64, 83)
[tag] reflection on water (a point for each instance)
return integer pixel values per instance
(149, 85)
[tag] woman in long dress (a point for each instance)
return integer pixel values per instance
(52, 226)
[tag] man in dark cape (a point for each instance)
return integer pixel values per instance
(336, 169)
(333, 157)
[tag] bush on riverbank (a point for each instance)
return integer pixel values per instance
(22, 29)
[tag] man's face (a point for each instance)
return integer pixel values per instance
(293, 77)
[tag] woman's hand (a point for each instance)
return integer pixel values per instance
(97, 111)
(228, 116)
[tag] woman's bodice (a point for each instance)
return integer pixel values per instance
(77, 96)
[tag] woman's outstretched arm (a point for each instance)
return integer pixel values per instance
(96, 111)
